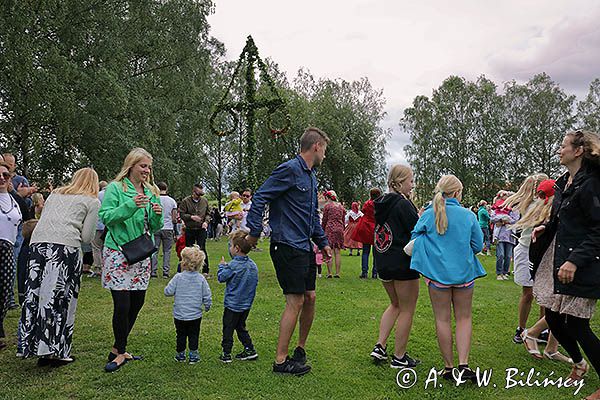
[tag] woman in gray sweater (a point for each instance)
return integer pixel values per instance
(52, 285)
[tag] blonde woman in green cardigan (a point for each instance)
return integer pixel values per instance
(127, 201)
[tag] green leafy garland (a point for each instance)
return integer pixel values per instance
(250, 105)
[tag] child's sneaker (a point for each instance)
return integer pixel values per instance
(405, 362)
(180, 357)
(247, 354)
(379, 352)
(194, 357)
(226, 358)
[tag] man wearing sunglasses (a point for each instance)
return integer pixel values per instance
(246, 204)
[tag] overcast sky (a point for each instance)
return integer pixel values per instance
(407, 48)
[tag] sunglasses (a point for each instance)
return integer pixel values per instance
(6, 175)
(246, 196)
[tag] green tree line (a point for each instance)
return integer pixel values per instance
(492, 140)
(84, 81)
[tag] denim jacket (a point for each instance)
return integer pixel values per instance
(291, 191)
(241, 275)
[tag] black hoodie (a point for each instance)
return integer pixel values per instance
(395, 218)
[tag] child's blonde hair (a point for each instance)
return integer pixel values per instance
(234, 193)
(192, 258)
(446, 186)
(526, 193)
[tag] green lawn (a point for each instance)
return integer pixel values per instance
(342, 337)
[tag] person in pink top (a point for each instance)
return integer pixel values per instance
(333, 224)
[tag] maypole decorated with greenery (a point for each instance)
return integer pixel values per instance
(248, 106)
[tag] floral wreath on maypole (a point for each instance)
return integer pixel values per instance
(250, 105)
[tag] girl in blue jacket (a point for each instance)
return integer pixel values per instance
(447, 237)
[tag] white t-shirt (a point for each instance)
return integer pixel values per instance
(168, 205)
(10, 218)
(245, 209)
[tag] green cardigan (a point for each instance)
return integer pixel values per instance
(124, 220)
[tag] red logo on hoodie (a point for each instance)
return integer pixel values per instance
(383, 237)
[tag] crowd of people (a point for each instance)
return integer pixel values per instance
(549, 228)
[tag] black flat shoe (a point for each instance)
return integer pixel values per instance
(59, 362)
(113, 366)
(112, 356)
(43, 362)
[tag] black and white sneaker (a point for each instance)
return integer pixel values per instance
(379, 352)
(291, 367)
(543, 338)
(466, 374)
(518, 338)
(299, 355)
(405, 362)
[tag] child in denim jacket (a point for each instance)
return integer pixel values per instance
(241, 276)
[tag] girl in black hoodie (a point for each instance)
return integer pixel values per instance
(395, 218)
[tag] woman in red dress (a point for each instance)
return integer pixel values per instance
(333, 224)
(352, 218)
(364, 232)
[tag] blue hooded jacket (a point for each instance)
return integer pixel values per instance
(449, 258)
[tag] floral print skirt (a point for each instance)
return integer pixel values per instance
(51, 292)
(117, 274)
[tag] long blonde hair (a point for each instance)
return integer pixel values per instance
(538, 214)
(526, 193)
(134, 157)
(84, 182)
(446, 186)
(397, 175)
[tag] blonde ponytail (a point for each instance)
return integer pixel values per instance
(447, 186)
(439, 209)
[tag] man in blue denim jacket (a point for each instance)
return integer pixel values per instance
(291, 191)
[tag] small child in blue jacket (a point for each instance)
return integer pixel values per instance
(191, 292)
(241, 276)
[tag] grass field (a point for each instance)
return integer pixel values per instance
(342, 336)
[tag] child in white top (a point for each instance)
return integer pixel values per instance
(191, 292)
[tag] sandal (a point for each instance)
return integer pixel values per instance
(532, 350)
(579, 371)
(594, 396)
(558, 356)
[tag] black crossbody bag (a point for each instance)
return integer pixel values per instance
(139, 248)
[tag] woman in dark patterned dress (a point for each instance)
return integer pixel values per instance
(333, 224)
(55, 263)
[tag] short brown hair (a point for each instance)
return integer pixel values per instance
(238, 238)
(311, 136)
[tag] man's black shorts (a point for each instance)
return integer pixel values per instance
(296, 269)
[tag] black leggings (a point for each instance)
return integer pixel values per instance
(572, 332)
(127, 305)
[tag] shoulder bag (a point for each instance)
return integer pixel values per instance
(139, 248)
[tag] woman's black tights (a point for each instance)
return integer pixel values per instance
(572, 332)
(127, 305)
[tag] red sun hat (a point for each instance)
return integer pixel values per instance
(547, 187)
